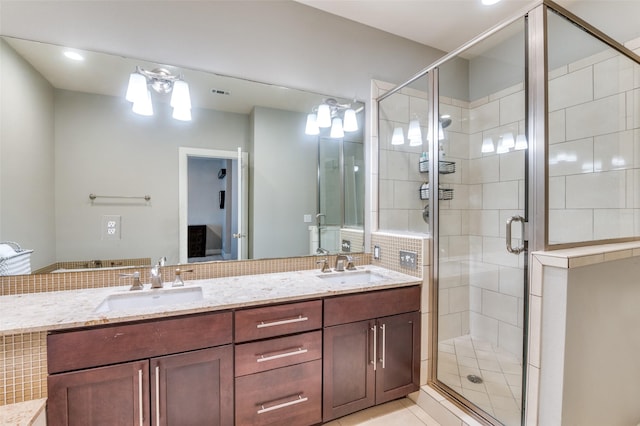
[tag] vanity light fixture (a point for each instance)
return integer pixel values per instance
(74, 56)
(508, 140)
(502, 146)
(339, 117)
(161, 81)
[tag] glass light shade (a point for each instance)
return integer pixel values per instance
(521, 142)
(337, 131)
(324, 116)
(137, 88)
(414, 134)
(350, 121)
(398, 136)
(180, 97)
(440, 131)
(312, 125)
(182, 114)
(507, 138)
(487, 145)
(144, 106)
(502, 147)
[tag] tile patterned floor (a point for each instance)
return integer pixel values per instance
(500, 392)
(399, 412)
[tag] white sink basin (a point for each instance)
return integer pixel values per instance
(352, 277)
(149, 298)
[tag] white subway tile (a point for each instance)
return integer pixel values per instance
(604, 54)
(450, 222)
(557, 126)
(475, 196)
(557, 192)
(485, 169)
(483, 222)
(494, 251)
(570, 226)
(449, 326)
(571, 89)
(614, 151)
(597, 190)
(512, 108)
(397, 165)
(511, 165)
(386, 193)
(484, 328)
(459, 299)
(606, 115)
(484, 117)
(612, 76)
(455, 114)
(395, 108)
(475, 299)
(418, 109)
(443, 301)
(510, 338)
(512, 281)
(406, 195)
(501, 195)
(570, 158)
(484, 275)
(613, 223)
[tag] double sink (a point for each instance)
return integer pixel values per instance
(151, 298)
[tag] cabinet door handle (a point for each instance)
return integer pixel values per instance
(299, 400)
(383, 327)
(140, 399)
(375, 347)
(299, 318)
(265, 357)
(158, 394)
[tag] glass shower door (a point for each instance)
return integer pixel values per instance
(480, 249)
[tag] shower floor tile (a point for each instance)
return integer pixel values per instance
(499, 394)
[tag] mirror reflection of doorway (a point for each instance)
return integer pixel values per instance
(210, 218)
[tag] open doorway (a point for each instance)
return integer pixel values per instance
(213, 194)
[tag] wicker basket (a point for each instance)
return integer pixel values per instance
(18, 264)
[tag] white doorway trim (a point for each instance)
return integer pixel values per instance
(183, 190)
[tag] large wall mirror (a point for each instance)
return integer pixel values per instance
(84, 179)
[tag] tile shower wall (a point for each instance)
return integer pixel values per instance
(594, 152)
(480, 284)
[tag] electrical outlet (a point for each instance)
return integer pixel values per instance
(346, 246)
(408, 259)
(111, 227)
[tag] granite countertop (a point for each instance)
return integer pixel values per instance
(22, 413)
(26, 313)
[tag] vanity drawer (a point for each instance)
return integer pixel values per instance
(78, 349)
(271, 321)
(284, 396)
(278, 352)
(373, 304)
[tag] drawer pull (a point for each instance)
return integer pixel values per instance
(298, 351)
(283, 405)
(158, 393)
(299, 318)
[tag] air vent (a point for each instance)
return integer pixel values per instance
(220, 92)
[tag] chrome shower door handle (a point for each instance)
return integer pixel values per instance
(510, 248)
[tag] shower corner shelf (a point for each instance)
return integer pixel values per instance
(444, 167)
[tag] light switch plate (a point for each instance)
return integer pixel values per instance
(408, 259)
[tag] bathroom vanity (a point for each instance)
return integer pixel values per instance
(323, 350)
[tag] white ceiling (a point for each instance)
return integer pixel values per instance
(447, 24)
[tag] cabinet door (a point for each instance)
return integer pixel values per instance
(193, 388)
(398, 369)
(104, 396)
(349, 377)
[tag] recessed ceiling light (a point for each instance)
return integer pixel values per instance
(73, 55)
(489, 2)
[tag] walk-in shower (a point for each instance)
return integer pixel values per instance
(528, 111)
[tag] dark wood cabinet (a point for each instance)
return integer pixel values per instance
(371, 361)
(194, 387)
(104, 396)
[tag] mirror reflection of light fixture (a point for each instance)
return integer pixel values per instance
(487, 145)
(508, 140)
(414, 134)
(163, 82)
(398, 136)
(325, 115)
(502, 146)
(337, 130)
(521, 142)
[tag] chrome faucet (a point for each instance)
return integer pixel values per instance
(137, 285)
(156, 275)
(325, 265)
(344, 261)
(321, 250)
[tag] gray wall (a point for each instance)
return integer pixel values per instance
(26, 158)
(284, 163)
(139, 156)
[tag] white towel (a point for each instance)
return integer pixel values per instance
(6, 250)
